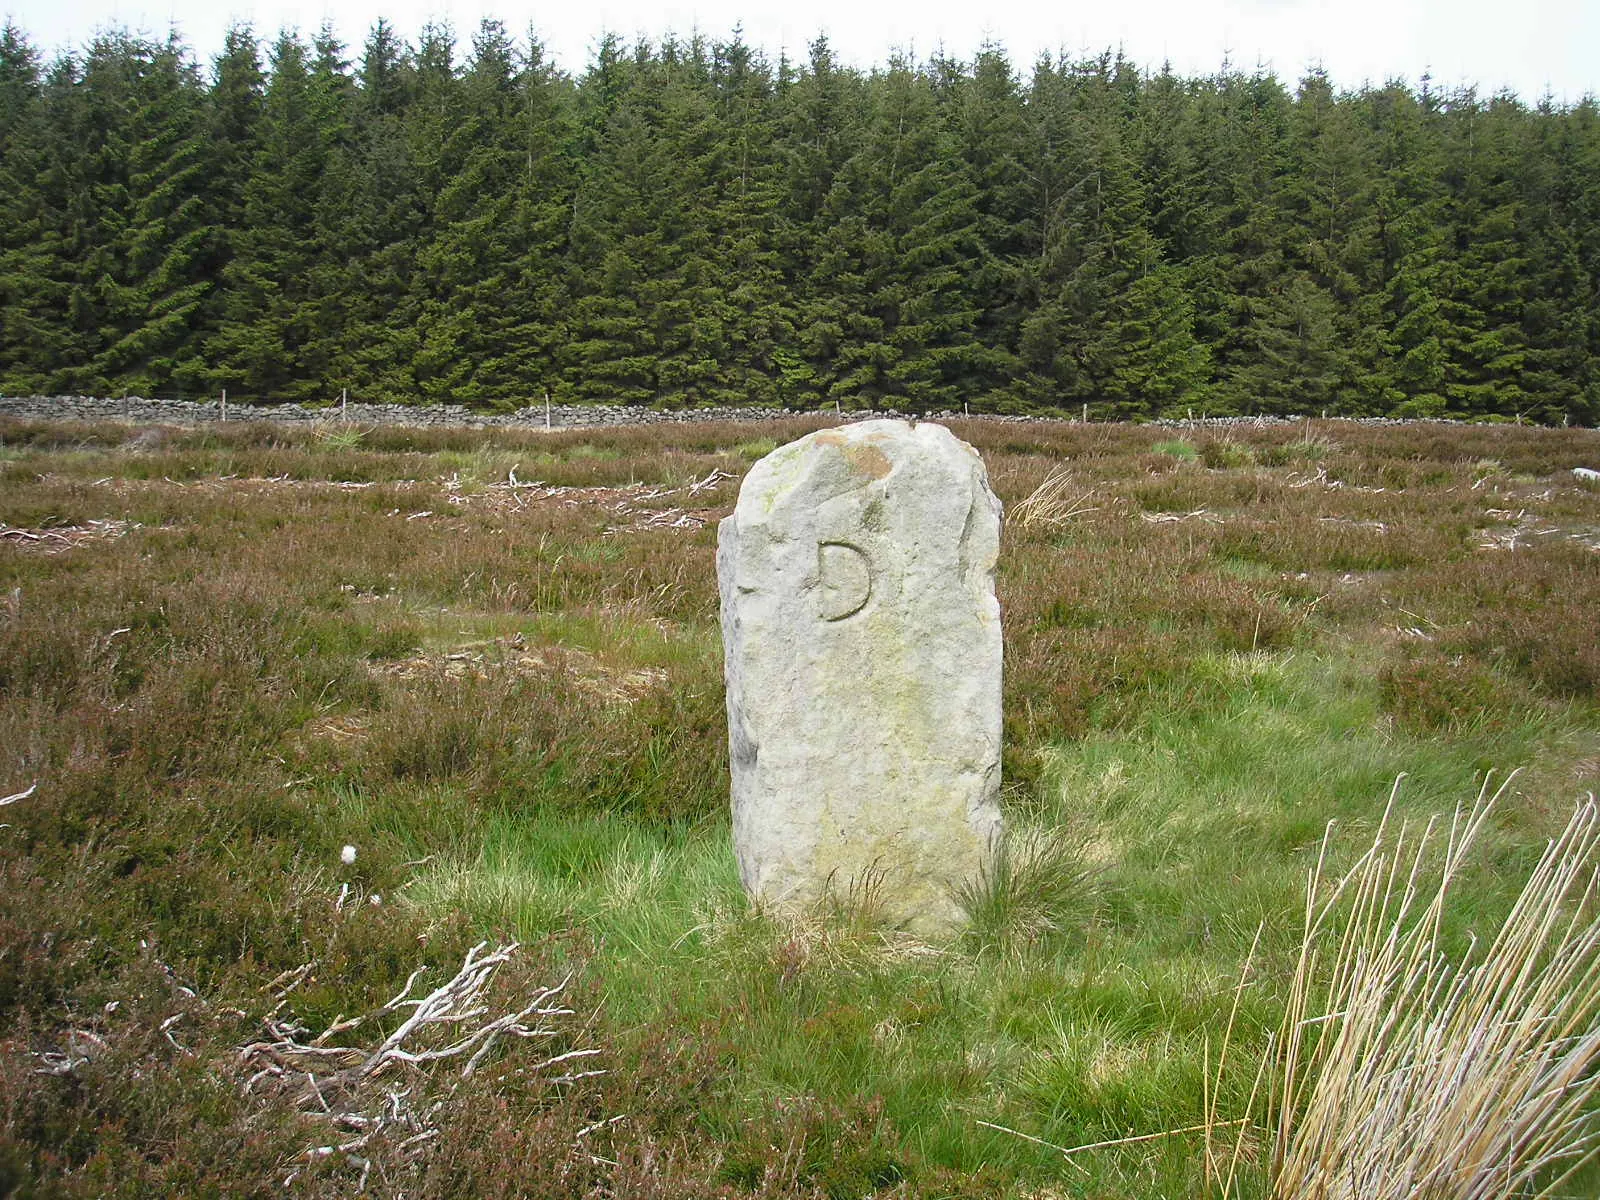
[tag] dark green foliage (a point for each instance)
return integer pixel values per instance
(30, 295)
(688, 223)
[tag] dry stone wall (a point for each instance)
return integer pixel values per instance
(140, 410)
(158, 411)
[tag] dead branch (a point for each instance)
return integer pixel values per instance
(629, 503)
(709, 481)
(82, 1047)
(289, 980)
(55, 541)
(1168, 518)
(512, 482)
(453, 1022)
(22, 795)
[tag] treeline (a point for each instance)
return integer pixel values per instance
(689, 222)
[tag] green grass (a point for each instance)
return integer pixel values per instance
(1078, 1008)
(1176, 448)
(513, 709)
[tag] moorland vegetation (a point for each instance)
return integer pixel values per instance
(487, 662)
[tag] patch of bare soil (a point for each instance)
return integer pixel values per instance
(606, 682)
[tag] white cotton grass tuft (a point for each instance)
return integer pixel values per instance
(347, 855)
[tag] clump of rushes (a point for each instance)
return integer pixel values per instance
(1036, 883)
(1222, 453)
(1054, 502)
(1410, 1073)
(1176, 448)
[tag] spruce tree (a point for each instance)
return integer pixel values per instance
(493, 271)
(756, 313)
(924, 248)
(683, 292)
(1557, 292)
(1581, 190)
(231, 126)
(987, 120)
(268, 309)
(141, 277)
(1112, 324)
(821, 231)
(31, 292)
(1481, 294)
(619, 239)
(1397, 352)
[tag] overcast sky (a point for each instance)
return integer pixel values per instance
(1530, 46)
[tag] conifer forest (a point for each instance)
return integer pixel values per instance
(690, 221)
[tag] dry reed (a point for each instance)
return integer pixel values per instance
(1053, 502)
(1407, 1074)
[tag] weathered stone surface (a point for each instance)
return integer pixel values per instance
(862, 641)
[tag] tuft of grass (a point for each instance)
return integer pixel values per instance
(1487, 472)
(1035, 883)
(1176, 448)
(1226, 453)
(1054, 502)
(1401, 1070)
(752, 451)
(341, 437)
(1308, 447)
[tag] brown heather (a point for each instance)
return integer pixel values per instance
(226, 652)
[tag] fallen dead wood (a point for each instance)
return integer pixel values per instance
(632, 505)
(66, 537)
(1171, 518)
(372, 1092)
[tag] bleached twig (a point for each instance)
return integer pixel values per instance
(1168, 518)
(453, 1022)
(711, 480)
(22, 795)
